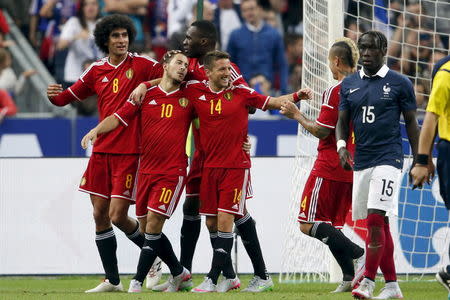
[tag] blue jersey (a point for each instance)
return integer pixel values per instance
(375, 104)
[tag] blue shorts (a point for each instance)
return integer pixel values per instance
(443, 170)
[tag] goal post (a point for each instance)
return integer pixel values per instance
(418, 35)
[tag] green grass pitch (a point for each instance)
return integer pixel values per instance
(72, 287)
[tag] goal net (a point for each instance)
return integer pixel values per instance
(418, 36)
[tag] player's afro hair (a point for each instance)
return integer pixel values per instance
(109, 23)
(207, 30)
(380, 39)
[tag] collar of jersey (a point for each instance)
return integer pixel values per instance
(381, 72)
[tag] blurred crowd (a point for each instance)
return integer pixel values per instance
(263, 37)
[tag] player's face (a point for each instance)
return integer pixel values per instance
(192, 43)
(220, 73)
(177, 67)
(371, 55)
(332, 64)
(118, 42)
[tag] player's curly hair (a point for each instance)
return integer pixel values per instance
(212, 56)
(380, 39)
(169, 55)
(207, 30)
(109, 23)
(347, 51)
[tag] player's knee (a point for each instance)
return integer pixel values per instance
(101, 217)
(305, 228)
(211, 224)
(191, 206)
(118, 218)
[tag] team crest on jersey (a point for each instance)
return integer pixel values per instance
(386, 91)
(228, 96)
(183, 102)
(83, 181)
(129, 73)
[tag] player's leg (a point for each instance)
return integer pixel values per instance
(190, 228)
(95, 181)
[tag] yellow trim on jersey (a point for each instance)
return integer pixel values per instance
(439, 102)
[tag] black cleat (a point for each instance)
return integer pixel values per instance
(443, 278)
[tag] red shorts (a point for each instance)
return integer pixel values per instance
(111, 176)
(195, 176)
(159, 193)
(224, 190)
(325, 200)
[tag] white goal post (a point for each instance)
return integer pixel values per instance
(418, 33)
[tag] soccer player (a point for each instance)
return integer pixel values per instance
(436, 117)
(201, 37)
(327, 195)
(222, 109)
(110, 174)
(373, 100)
(165, 116)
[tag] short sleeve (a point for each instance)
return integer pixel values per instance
(329, 112)
(408, 101)
(253, 98)
(236, 76)
(440, 94)
(127, 112)
(343, 97)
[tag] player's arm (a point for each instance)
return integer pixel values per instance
(291, 111)
(302, 94)
(139, 92)
(108, 124)
(77, 92)
(342, 132)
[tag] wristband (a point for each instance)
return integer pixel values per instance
(341, 144)
(422, 159)
(295, 97)
(147, 84)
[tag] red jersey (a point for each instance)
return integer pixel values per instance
(327, 164)
(196, 71)
(224, 122)
(113, 85)
(164, 124)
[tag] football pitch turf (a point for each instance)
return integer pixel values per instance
(73, 287)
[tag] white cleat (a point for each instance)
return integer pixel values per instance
(135, 286)
(257, 285)
(344, 286)
(228, 285)
(360, 268)
(207, 286)
(175, 282)
(106, 287)
(154, 275)
(364, 290)
(390, 291)
(185, 286)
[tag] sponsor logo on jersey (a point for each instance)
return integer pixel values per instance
(162, 207)
(228, 96)
(105, 79)
(127, 193)
(202, 97)
(153, 102)
(235, 206)
(183, 102)
(353, 90)
(302, 215)
(83, 181)
(129, 73)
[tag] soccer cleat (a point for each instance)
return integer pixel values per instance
(390, 291)
(175, 282)
(443, 278)
(207, 286)
(135, 286)
(257, 285)
(360, 269)
(185, 286)
(364, 290)
(106, 287)
(228, 285)
(154, 275)
(344, 286)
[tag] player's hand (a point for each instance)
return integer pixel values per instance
(54, 90)
(91, 136)
(305, 94)
(419, 174)
(345, 159)
(289, 110)
(138, 94)
(247, 146)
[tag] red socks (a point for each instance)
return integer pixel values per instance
(387, 265)
(375, 244)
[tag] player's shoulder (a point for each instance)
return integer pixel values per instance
(195, 84)
(350, 81)
(331, 95)
(397, 78)
(242, 88)
(95, 66)
(139, 59)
